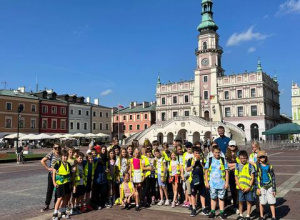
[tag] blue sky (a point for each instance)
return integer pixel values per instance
(114, 50)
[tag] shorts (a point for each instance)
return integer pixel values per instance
(80, 191)
(160, 183)
(246, 197)
(188, 187)
(267, 197)
(88, 187)
(63, 190)
(137, 176)
(174, 179)
(198, 188)
(217, 193)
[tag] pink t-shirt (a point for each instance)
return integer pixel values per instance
(126, 190)
(136, 164)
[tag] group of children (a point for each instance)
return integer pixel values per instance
(147, 176)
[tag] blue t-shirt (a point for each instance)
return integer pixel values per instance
(265, 174)
(215, 178)
(223, 143)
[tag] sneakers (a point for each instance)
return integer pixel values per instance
(45, 208)
(193, 213)
(273, 218)
(167, 202)
(127, 206)
(204, 211)
(186, 204)
(55, 217)
(240, 218)
(222, 216)
(173, 205)
(89, 208)
(236, 211)
(178, 203)
(247, 218)
(65, 215)
(153, 202)
(211, 215)
(137, 208)
(74, 211)
(83, 209)
(161, 202)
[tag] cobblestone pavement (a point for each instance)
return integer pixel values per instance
(23, 189)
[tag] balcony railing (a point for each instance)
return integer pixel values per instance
(209, 47)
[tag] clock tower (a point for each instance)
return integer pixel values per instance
(209, 67)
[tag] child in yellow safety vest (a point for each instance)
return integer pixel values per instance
(187, 184)
(112, 174)
(127, 191)
(148, 166)
(78, 185)
(244, 177)
(266, 184)
(136, 174)
(160, 171)
(88, 176)
(174, 176)
(62, 182)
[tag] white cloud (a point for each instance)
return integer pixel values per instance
(251, 50)
(289, 7)
(237, 38)
(266, 16)
(106, 92)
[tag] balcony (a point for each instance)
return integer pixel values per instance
(208, 48)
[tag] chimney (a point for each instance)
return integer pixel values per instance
(88, 99)
(96, 101)
(135, 104)
(145, 104)
(131, 105)
(21, 89)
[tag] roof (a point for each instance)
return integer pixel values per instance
(17, 94)
(287, 128)
(138, 108)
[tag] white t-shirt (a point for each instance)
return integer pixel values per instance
(173, 165)
(159, 164)
(80, 171)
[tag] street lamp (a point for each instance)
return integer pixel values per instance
(20, 109)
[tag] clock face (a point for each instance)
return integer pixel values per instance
(295, 92)
(205, 62)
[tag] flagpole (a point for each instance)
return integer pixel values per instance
(118, 123)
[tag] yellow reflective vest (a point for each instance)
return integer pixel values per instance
(244, 176)
(202, 161)
(132, 169)
(122, 193)
(115, 171)
(177, 168)
(62, 175)
(86, 172)
(222, 168)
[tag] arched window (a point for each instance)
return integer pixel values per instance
(254, 130)
(241, 126)
(205, 8)
(204, 45)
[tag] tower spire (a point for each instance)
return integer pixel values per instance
(259, 67)
(158, 80)
(207, 17)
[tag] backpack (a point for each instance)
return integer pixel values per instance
(210, 161)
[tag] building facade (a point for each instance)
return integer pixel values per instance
(133, 119)
(296, 103)
(246, 104)
(10, 100)
(101, 118)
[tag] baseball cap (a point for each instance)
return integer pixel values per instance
(232, 143)
(188, 145)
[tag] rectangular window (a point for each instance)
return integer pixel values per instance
(240, 111)
(117, 128)
(100, 114)
(175, 114)
(145, 126)
(163, 101)
(130, 117)
(8, 122)
(124, 127)
(45, 109)
(174, 99)
(79, 112)
(78, 126)
(124, 118)
(85, 126)
(71, 111)
(71, 125)
(205, 95)
(240, 94)
(94, 114)
(63, 124)
(32, 123)
(54, 124)
(186, 113)
(106, 114)
(226, 94)
(205, 78)
(227, 112)
(130, 127)
(54, 110)
(163, 116)
(87, 113)
(63, 110)
(22, 122)
(138, 117)
(186, 98)
(8, 106)
(146, 116)
(45, 123)
(106, 126)
(94, 126)
(253, 110)
(33, 108)
(117, 118)
(252, 93)
(137, 127)
(101, 127)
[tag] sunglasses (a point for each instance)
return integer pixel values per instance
(57, 148)
(262, 157)
(232, 146)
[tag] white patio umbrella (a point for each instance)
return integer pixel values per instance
(102, 135)
(28, 137)
(78, 135)
(41, 136)
(14, 136)
(90, 135)
(56, 136)
(66, 136)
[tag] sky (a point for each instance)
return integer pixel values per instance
(114, 50)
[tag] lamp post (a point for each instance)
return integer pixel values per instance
(20, 109)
